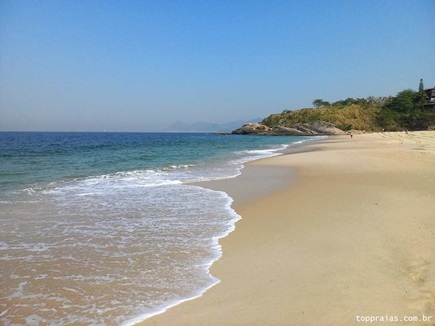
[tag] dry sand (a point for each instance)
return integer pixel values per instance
(344, 228)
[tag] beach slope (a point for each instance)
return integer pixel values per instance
(330, 233)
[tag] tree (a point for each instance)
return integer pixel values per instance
(319, 103)
(388, 120)
(406, 110)
(345, 102)
(421, 96)
(421, 87)
(404, 101)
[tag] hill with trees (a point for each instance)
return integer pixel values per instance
(409, 110)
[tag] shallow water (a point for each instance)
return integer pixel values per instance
(105, 228)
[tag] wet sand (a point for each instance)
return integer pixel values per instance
(334, 230)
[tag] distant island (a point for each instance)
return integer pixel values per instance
(408, 110)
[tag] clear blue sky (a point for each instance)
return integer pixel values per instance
(141, 65)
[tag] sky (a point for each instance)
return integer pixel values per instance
(143, 65)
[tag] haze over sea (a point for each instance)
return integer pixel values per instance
(105, 228)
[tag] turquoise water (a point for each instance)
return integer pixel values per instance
(105, 228)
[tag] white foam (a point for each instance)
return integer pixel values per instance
(107, 225)
(134, 222)
(216, 248)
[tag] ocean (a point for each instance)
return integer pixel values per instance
(107, 228)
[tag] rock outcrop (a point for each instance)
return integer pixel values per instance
(303, 129)
(252, 128)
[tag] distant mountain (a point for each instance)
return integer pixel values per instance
(211, 127)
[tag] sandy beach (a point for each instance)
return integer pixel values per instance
(332, 233)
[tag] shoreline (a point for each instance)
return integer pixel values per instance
(271, 274)
(273, 180)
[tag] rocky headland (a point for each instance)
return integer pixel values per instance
(301, 129)
(408, 110)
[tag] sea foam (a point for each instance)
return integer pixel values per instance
(116, 247)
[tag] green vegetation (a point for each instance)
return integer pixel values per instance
(319, 103)
(406, 110)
